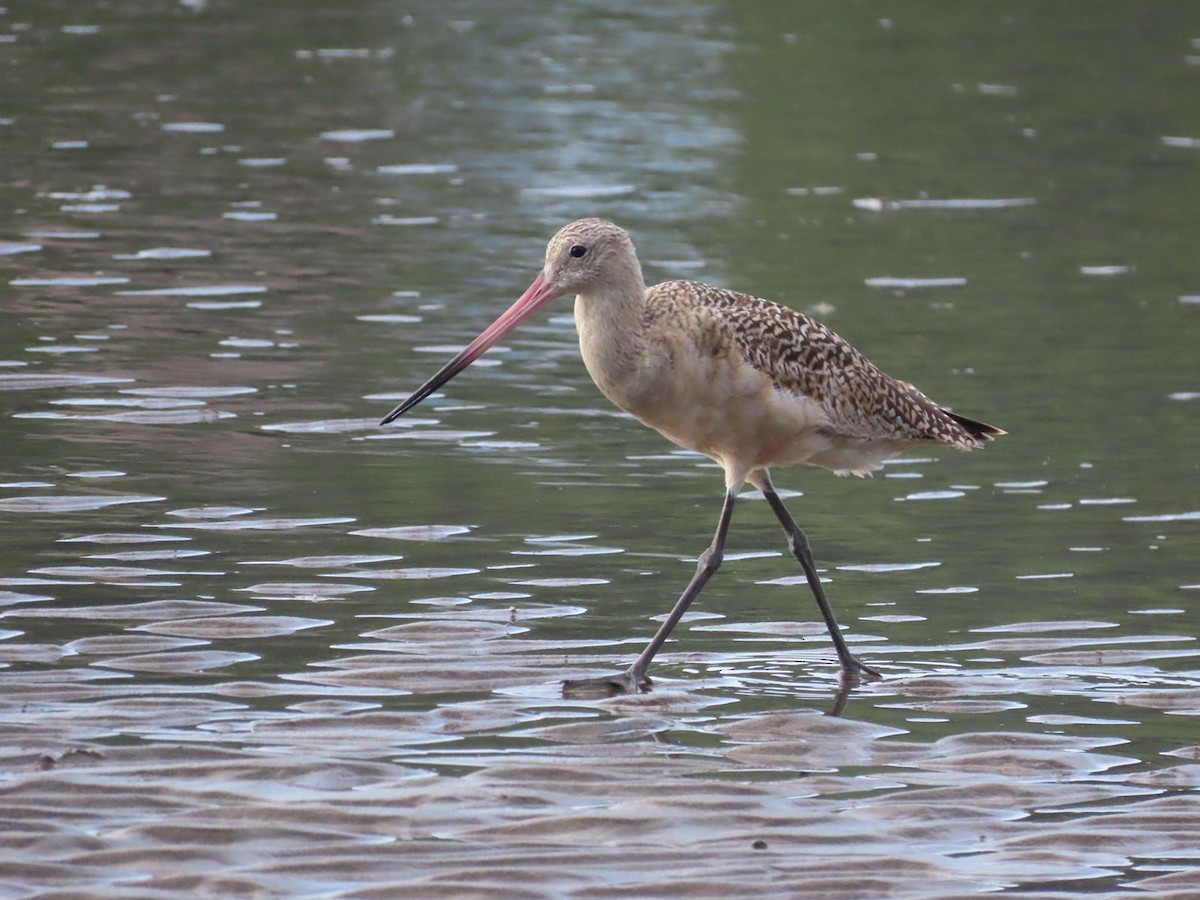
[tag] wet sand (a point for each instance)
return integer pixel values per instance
(254, 789)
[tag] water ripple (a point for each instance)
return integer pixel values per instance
(60, 503)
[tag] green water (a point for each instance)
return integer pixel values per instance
(331, 164)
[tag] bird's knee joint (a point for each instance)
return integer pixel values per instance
(798, 544)
(710, 561)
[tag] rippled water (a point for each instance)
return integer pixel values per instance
(251, 642)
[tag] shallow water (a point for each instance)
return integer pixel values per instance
(251, 642)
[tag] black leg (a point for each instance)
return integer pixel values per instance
(852, 670)
(635, 677)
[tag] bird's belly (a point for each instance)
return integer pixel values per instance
(752, 432)
(721, 406)
(736, 415)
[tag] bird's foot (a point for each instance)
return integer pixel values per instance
(628, 682)
(855, 672)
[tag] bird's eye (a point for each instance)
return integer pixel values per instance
(578, 250)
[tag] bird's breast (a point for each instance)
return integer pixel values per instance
(698, 393)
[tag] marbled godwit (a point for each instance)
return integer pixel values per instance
(747, 382)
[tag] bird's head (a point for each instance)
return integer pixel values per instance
(587, 255)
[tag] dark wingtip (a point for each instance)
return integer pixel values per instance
(981, 431)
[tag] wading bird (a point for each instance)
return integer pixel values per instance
(750, 383)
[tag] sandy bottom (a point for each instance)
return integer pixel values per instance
(106, 794)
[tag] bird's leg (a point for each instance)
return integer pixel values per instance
(853, 671)
(634, 678)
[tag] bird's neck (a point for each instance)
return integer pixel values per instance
(611, 326)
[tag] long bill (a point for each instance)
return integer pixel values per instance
(537, 296)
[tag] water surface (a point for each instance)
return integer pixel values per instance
(250, 642)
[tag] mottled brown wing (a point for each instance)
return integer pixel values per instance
(803, 356)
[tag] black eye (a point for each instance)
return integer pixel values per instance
(578, 250)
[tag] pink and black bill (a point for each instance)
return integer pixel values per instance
(539, 294)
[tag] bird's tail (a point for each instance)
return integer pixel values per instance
(981, 431)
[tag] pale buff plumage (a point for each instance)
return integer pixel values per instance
(746, 381)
